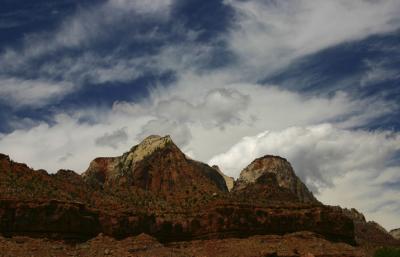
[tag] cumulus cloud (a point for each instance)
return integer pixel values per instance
(347, 167)
(219, 107)
(112, 139)
(319, 153)
(179, 132)
(46, 146)
(205, 121)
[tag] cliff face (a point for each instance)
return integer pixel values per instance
(229, 181)
(54, 219)
(284, 175)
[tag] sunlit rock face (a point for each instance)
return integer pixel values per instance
(159, 166)
(395, 233)
(284, 175)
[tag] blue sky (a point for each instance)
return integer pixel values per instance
(314, 81)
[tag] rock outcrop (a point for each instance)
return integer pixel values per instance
(284, 174)
(156, 165)
(395, 233)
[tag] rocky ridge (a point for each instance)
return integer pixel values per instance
(369, 232)
(155, 189)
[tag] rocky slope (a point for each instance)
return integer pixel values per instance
(369, 233)
(155, 189)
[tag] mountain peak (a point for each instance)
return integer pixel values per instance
(148, 146)
(283, 171)
(159, 166)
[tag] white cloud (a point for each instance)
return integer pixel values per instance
(378, 72)
(218, 107)
(179, 132)
(97, 69)
(205, 115)
(247, 109)
(273, 33)
(45, 146)
(82, 31)
(97, 22)
(20, 92)
(346, 167)
(112, 139)
(369, 193)
(161, 7)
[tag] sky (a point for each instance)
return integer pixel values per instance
(316, 82)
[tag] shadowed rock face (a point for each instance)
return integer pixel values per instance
(58, 220)
(369, 232)
(229, 181)
(284, 174)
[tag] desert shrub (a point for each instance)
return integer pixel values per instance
(387, 252)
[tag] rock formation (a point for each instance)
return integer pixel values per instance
(156, 165)
(284, 174)
(155, 189)
(395, 233)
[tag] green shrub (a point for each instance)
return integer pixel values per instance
(387, 252)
